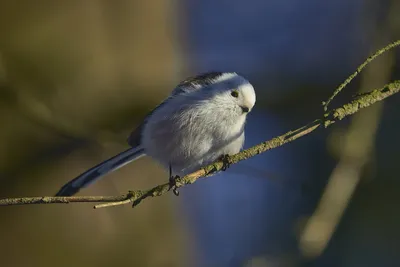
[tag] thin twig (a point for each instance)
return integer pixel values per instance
(137, 196)
(353, 156)
(325, 104)
(65, 200)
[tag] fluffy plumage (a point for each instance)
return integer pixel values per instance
(201, 120)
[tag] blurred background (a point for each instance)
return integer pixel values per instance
(77, 76)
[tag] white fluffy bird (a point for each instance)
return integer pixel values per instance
(202, 120)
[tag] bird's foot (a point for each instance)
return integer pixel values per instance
(172, 184)
(226, 162)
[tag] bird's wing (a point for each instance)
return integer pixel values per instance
(135, 138)
(189, 85)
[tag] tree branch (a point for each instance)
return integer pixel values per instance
(330, 117)
(325, 104)
(135, 197)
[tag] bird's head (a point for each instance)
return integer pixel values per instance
(224, 90)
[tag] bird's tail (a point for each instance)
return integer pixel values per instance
(98, 171)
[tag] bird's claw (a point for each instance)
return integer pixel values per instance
(226, 162)
(172, 185)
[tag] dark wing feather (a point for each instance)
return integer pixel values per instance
(204, 79)
(135, 138)
(189, 85)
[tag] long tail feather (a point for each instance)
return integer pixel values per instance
(98, 171)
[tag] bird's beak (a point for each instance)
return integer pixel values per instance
(245, 109)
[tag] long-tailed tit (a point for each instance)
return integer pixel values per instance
(202, 120)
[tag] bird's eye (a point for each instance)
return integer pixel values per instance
(235, 93)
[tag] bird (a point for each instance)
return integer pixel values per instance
(202, 120)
